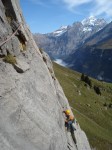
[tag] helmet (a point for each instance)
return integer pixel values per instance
(67, 112)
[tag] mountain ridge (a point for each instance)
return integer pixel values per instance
(94, 57)
(70, 39)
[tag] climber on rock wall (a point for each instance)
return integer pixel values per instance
(69, 123)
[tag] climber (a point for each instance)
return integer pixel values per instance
(69, 120)
(69, 123)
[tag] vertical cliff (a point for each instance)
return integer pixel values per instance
(31, 99)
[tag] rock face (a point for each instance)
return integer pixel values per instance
(31, 99)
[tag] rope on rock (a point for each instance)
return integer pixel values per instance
(10, 36)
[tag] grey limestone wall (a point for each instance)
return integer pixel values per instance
(31, 99)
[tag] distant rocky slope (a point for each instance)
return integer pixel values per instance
(67, 39)
(85, 46)
(95, 56)
(31, 99)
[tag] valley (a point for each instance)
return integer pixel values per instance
(92, 111)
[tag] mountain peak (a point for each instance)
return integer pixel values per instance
(89, 21)
(63, 27)
(60, 31)
(92, 17)
(92, 21)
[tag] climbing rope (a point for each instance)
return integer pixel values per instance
(10, 36)
(7, 39)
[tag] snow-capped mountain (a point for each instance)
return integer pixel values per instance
(91, 22)
(87, 26)
(60, 31)
(67, 39)
(94, 57)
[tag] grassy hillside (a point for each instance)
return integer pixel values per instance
(106, 45)
(94, 118)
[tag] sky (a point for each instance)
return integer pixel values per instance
(45, 16)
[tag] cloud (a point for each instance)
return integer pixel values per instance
(60, 62)
(99, 6)
(103, 7)
(73, 3)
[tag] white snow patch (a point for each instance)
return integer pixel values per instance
(63, 27)
(99, 29)
(60, 62)
(90, 21)
(86, 29)
(60, 31)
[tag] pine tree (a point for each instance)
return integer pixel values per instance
(82, 77)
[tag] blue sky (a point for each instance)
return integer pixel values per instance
(44, 16)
